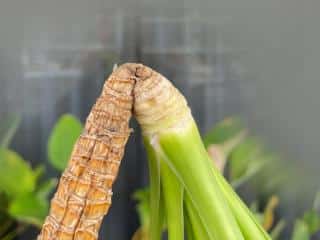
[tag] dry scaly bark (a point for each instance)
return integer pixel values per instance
(84, 193)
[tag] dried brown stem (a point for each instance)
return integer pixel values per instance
(84, 192)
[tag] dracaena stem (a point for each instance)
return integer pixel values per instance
(196, 224)
(167, 123)
(248, 224)
(188, 159)
(155, 229)
(172, 191)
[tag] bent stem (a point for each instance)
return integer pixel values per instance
(169, 129)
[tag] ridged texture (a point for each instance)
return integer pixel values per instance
(84, 193)
(158, 105)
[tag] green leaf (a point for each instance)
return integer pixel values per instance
(62, 139)
(46, 188)
(38, 172)
(252, 169)
(143, 209)
(29, 208)
(223, 131)
(143, 206)
(245, 153)
(277, 230)
(312, 219)
(16, 176)
(300, 231)
(8, 128)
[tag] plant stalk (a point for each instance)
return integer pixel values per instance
(167, 124)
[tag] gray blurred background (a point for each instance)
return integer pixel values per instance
(256, 59)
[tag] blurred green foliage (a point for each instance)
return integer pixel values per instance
(16, 176)
(143, 207)
(300, 231)
(8, 127)
(23, 190)
(309, 224)
(223, 131)
(61, 141)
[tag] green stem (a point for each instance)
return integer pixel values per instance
(197, 228)
(172, 191)
(155, 210)
(188, 226)
(248, 224)
(166, 120)
(188, 158)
